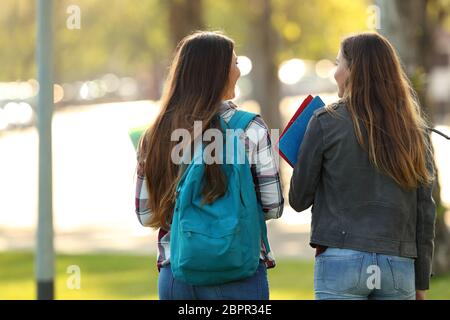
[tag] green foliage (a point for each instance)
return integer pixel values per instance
(131, 37)
(136, 134)
(125, 37)
(441, 210)
(439, 12)
(300, 25)
(17, 36)
(314, 29)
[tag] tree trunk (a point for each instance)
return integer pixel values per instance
(263, 43)
(407, 26)
(185, 16)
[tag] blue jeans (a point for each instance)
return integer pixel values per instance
(343, 274)
(255, 287)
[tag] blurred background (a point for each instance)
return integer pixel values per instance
(110, 63)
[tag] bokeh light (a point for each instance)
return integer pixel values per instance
(292, 71)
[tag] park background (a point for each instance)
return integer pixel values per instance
(110, 62)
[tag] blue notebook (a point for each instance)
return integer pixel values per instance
(292, 139)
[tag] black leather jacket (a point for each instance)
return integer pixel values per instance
(354, 205)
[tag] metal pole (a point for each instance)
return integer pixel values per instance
(44, 250)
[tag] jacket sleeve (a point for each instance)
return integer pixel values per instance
(307, 170)
(425, 232)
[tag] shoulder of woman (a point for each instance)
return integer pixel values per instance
(257, 130)
(231, 104)
(332, 110)
(257, 122)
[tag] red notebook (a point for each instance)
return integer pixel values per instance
(296, 115)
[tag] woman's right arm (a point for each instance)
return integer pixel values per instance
(307, 171)
(265, 170)
(142, 211)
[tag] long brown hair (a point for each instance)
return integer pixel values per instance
(195, 86)
(380, 99)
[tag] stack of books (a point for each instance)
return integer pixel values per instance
(292, 137)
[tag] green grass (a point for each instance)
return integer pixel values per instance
(107, 276)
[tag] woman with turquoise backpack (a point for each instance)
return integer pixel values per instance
(211, 216)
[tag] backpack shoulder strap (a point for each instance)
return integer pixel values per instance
(241, 120)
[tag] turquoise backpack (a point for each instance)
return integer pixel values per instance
(212, 244)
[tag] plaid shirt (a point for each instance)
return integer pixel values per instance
(264, 167)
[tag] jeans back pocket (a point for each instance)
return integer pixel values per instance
(403, 274)
(341, 274)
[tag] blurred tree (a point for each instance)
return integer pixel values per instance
(134, 37)
(265, 74)
(439, 13)
(122, 37)
(127, 38)
(185, 16)
(410, 28)
(17, 35)
(314, 29)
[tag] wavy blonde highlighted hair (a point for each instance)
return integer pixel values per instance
(385, 110)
